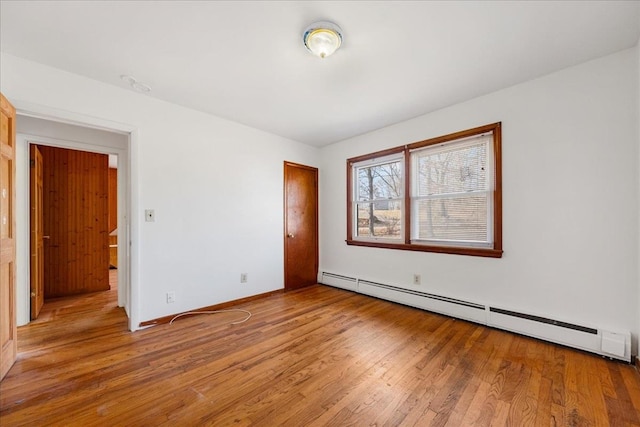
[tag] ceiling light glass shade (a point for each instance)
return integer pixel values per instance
(322, 38)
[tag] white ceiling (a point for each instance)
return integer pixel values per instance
(245, 61)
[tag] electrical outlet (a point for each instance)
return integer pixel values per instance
(244, 277)
(171, 297)
(416, 279)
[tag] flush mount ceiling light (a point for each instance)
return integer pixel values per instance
(322, 38)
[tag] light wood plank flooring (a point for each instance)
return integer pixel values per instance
(314, 357)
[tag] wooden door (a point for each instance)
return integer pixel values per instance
(76, 217)
(8, 330)
(37, 236)
(300, 226)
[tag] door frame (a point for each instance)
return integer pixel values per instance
(128, 271)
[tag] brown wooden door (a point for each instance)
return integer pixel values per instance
(37, 236)
(8, 330)
(300, 226)
(76, 217)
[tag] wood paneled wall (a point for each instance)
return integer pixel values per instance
(76, 217)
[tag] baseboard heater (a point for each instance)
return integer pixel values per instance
(606, 343)
(339, 281)
(436, 303)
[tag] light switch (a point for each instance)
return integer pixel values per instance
(149, 215)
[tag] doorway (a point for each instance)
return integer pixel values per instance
(300, 226)
(70, 223)
(48, 133)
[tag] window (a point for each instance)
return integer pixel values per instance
(439, 195)
(379, 199)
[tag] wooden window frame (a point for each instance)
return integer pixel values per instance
(493, 252)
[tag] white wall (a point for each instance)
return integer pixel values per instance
(570, 199)
(216, 187)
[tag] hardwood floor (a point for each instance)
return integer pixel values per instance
(313, 357)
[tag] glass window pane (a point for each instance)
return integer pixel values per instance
(379, 219)
(382, 181)
(456, 170)
(453, 219)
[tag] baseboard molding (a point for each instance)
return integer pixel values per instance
(636, 362)
(223, 305)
